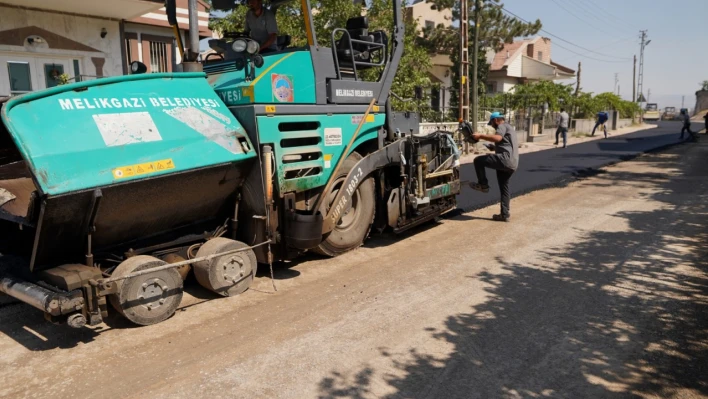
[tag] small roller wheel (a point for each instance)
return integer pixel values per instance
(149, 298)
(226, 275)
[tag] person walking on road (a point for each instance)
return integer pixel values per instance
(602, 118)
(505, 160)
(686, 125)
(562, 121)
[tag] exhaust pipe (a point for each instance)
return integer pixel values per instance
(53, 303)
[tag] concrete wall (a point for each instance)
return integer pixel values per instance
(514, 69)
(83, 30)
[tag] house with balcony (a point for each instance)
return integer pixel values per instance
(42, 40)
(521, 62)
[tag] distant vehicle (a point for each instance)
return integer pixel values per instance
(669, 114)
(651, 112)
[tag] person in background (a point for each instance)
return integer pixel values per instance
(261, 26)
(505, 160)
(705, 118)
(687, 125)
(602, 118)
(562, 121)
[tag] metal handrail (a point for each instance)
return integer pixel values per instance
(372, 45)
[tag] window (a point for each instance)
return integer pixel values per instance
(435, 99)
(491, 87)
(20, 81)
(52, 73)
(540, 55)
(159, 58)
(429, 25)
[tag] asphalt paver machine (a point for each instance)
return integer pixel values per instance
(115, 190)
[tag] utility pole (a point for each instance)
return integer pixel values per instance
(616, 81)
(577, 81)
(475, 62)
(682, 101)
(648, 95)
(640, 85)
(464, 92)
(634, 80)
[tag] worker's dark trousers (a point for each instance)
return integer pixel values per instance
(503, 176)
(564, 132)
(687, 128)
(604, 127)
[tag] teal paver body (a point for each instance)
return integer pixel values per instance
(288, 79)
(101, 132)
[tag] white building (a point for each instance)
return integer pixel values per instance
(40, 40)
(521, 62)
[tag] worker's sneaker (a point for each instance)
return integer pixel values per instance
(500, 218)
(479, 187)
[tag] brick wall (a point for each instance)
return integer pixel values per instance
(542, 45)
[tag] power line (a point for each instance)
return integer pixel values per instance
(578, 17)
(566, 41)
(609, 14)
(588, 57)
(599, 15)
(633, 37)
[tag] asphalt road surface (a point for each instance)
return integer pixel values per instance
(555, 166)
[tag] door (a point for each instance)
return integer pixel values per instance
(21, 74)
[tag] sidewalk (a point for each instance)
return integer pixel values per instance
(526, 148)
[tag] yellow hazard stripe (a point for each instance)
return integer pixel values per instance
(269, 68)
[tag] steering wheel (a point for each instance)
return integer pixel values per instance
(236, 35)
(215, 54)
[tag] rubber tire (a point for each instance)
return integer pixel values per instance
(339, 240)
(121, 300)
(214, 246)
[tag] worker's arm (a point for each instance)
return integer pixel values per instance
(272, 28)
(494, 138)
(271, 38)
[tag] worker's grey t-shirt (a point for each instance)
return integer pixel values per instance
(563, 119)
(262, 27)
(508, 148)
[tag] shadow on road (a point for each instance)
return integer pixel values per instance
(618, 314)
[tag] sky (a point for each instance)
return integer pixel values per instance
(675, 62)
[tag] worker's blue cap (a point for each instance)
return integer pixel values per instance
(494, 116)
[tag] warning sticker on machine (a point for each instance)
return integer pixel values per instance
(356, 119)
(143, 168)
(332, 136)
(328, 160)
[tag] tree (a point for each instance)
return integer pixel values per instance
(704, 85)
(496, 29)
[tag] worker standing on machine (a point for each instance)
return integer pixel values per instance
(505, 160)
(261, 26)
